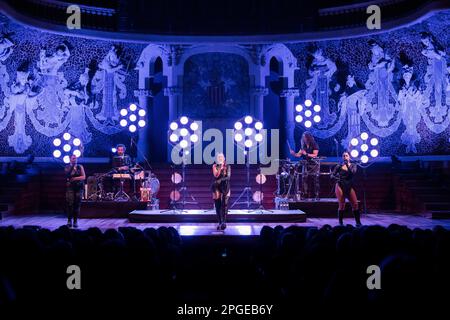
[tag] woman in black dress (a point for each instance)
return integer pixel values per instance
(344, 173)
(221, 189)
(75, 177)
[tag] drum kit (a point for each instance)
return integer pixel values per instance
(292, 178)
(135, 185)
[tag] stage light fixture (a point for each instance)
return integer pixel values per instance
(194, 126)
(184, 120)
(374, 141)
(77, 153)
(258, 196)
(307, 115)
(133, 117)
(364, 159)
(364, 136)
(247, 136)
(248, 131)
(57, 142)
(173, 137)
(113, 150)
(176, 178)
(76, 142)
(184, 132)
(175, 195)
(374, 153)
(362, 146)
(65, 146)
(261, 178)
(194, 138)
(183, 144)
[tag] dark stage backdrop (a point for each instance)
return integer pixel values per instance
(395, 85)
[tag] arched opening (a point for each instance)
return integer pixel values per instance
(272, 99)
(158, 112)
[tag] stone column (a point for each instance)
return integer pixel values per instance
(287, 97)
(175, 95)
(143, 145)
(257, 101)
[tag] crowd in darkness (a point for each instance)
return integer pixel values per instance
(293, 268)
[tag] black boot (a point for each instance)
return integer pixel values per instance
(218, 212)
(224, 213)
(341, 217)
(357, 215)
(69, 222)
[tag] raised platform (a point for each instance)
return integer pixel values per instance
(109, 209)
(167, 216)
(322, 208)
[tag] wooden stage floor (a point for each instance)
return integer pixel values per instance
(54, 221)
(204, 216)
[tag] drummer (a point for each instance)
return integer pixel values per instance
(310, 170)
(122, 161)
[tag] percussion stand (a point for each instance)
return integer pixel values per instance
(247, 192)
(261, 208)
(183, 188)
(173, 203)
(134, 198)
(99, 195)
(121, 195)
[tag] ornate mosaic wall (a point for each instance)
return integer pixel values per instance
(216, 85)
(395, 85)
(50, 84)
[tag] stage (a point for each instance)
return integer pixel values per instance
(136, 211)
(208, 216)
(54, 221)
